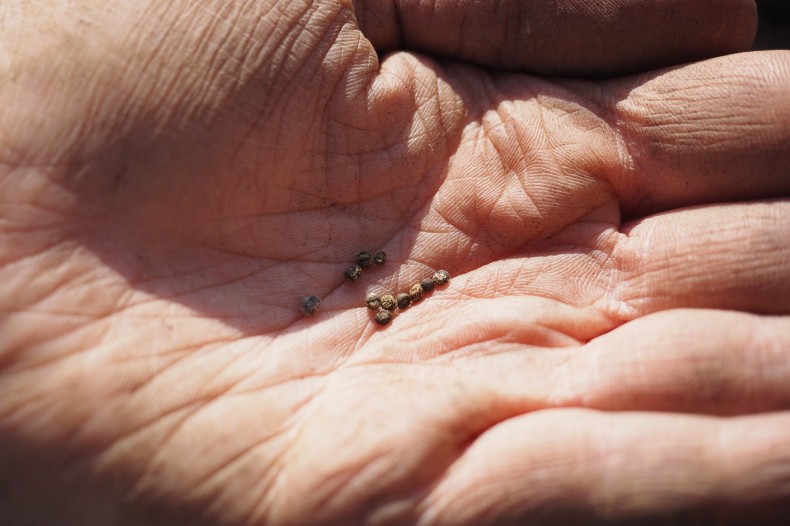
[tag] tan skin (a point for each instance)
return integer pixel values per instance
(176, 176)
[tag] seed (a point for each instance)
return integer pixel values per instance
(427, 284)
(404, 301)
(415, 292)
(388, 302)
(383, 317)
(364, 259)
(310, 305)
(441, 277)
(373, 301)
(353, 273)
(380, 258)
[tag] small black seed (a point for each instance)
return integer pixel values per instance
(310, 305)
(353, 273)
(441, 277)
(380, 258)
(388, 302)
(427, 285)
(404, 301)
(415, 292)
(364, 259)
(373, 301)
(383, 317)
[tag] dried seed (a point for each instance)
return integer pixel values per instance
(427, 284)
(353, 273)
(383, 317)
(441, 277)
(388, 302)
(380, 258)
(415, 292)
(404, 301)
(373, 301)
(310, 305)
(364, 259)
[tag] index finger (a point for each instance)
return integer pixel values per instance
(562, 37)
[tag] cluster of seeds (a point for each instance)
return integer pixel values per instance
(310, 304)
(364, 260)
(386, 304)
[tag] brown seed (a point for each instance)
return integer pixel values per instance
(415, 292)
(388, 302)
(404, 301)
(383, 317)
(364, 259)
(373, 301)
(380, 258)
(427, 284)
(441, 277)
(310, 305)
(353, 273)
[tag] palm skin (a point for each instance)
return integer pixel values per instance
(160, 235)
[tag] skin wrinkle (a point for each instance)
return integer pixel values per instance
(172, 82)
(524, 159)
(178, 80)
(315, 506)
(47, 296)
(182, 420)
(492, 325)
(230, 465)
(541, 336)
(173, 367)
(643, 282)
(601, 456)
(267, 113)
(174, 419)
(717, 374)
(277, 433)
(266, 498)
(203, 404)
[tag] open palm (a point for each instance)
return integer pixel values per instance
(175, 180)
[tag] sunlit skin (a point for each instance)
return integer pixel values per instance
(610, 201)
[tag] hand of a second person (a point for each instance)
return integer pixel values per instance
(176, 176)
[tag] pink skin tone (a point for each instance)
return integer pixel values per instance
(612, 204)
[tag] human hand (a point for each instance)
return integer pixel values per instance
(177, 176)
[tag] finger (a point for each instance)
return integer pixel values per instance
(733, 256)
(694, 361)
(582, 467)
(567, 37)
(714, 131)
